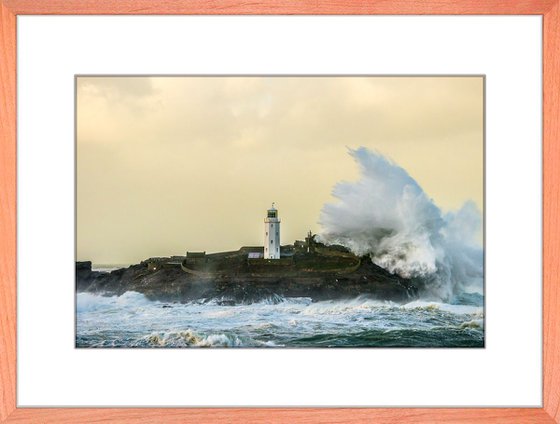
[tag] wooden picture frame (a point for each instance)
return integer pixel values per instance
(550, 412)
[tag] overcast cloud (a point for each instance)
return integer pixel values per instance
(172, 164)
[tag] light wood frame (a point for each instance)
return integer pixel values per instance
(550, 412)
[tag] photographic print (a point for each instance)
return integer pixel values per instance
(279, 211)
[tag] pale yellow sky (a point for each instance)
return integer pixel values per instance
(169, 164)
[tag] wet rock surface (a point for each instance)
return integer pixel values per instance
(170, 283)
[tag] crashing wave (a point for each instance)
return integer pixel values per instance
(89, 302)
(189, 338)
(387, 215)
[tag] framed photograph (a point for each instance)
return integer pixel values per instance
(384, 267)
(341, 208)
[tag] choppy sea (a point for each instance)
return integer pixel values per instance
(133, 321)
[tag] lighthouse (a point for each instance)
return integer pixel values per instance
(272, 234)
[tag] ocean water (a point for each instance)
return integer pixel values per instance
(133, 321)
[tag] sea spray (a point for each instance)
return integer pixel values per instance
(387, 215)
(86, 302)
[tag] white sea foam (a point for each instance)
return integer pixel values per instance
(90, 301)
(189, 338)
(133, 320)
(474, 323)
(341, 307)
(387, 215)
(445, 307)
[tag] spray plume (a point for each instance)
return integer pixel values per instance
(387, 216)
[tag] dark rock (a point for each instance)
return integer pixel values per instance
(169, 283)
(83, 266)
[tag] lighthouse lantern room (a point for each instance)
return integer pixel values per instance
(272, 234)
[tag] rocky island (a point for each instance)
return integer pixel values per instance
(305, 269)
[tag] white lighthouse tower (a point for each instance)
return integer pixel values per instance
(272, 234)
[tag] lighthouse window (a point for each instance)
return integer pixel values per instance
(267, 233)
(271, 241)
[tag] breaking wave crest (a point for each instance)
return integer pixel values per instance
(387, 215)
(91, 302)
(189, 338)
